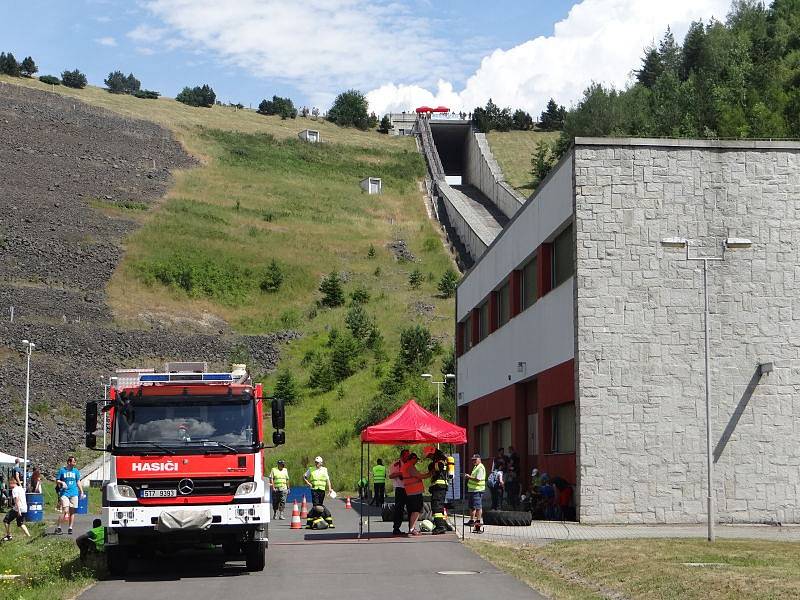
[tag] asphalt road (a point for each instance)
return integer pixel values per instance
(323, 565)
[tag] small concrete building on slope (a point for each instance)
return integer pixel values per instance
(580, 335)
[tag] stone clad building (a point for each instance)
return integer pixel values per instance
(580, 334)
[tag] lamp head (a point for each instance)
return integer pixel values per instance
(674, 242)
(450, 376)
(427, 375)
(738, 243)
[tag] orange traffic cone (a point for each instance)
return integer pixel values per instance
(295, 524)
(347, 504)
(304, 509)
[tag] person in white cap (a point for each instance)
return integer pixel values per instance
(319, 481)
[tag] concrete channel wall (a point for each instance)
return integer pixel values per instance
(482, 171)
(464, 221)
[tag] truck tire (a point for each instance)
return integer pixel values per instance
(387, 512)
(255, 554)
(117, 560)
(507, 518)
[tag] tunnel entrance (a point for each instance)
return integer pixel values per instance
(451, 143)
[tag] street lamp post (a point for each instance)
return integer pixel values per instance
(439, 385)
(29, 346)
(730, 243)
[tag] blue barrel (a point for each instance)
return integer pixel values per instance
(35, 507)
(83, 505)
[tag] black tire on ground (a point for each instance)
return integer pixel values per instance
(387, 513)
(117, 560)
(255, 554)
(507, 518)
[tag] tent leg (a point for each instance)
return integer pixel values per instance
(361, 493)
(369, 469)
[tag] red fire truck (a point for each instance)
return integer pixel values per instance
(187, 465)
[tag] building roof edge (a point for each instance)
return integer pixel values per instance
(690, 143)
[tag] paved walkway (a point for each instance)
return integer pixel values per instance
(330, 564)
(546, 531)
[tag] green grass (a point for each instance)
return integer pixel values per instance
(513, 151)
(47, 565)
(651, 569)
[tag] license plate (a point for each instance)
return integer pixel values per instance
(158, 493)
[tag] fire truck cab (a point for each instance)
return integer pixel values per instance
(187, 463)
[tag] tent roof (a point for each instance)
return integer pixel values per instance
(412, 424)
(8, 459)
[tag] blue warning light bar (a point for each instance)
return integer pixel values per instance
(186, 378)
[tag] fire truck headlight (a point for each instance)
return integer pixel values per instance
(126, 491)
(246, 488)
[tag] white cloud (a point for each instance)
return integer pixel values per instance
(599, 40)
(103, 19)
(146, 34)
(320, 46)
(145, 51)
(106, 41)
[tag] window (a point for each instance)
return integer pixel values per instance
(503, 429)
(483, 320)
(467, 333)
(528, 288)
(503, 305)
(563, 257)
(563, 432)
(482, 436)
(533, 437)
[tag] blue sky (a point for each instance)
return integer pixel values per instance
(400, 51)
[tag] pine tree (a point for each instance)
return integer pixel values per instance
(415, 279)
(74, 79)
(9, 65)
(273, 277)
(541, 162)
(286, 388)
(28, 67)
(447, 284)
(652, 67)
(385, 125)
(331, 288)
(552, 118)
(416, 349)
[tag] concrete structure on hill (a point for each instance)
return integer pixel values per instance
(372, 185)
(580, 335)
(310, 135)
(403, 123)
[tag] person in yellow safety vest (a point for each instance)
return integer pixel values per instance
(438, 487)
(378, 483)
(319, 481)
(92, 541)
(476, 485)
(279, 484)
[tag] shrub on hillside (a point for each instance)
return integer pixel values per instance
(416, 349)
(447, 284)
(415, 279)
(273, 277)
(278, 106)
(147, 94)
(322, 416)
(350, 110)
(50, 80)
(359, 322)
(74, 79)
(286, 388)
(331, 288)
(385, 125)
(344, 357)
(320, 375)
(197, 96)
(118, 83)
(9, 65)
(28, 67)
(360, 295)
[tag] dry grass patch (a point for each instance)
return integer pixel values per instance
(647, 569)
(513, 151)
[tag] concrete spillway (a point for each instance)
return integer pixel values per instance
(477, 210)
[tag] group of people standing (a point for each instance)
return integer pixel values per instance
(317, 478)
(504, 480)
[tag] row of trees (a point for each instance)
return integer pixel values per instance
(493, 118)
(197, 96)
(10, 66)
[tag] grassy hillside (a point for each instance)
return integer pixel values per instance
(513, 150)
(263, 195)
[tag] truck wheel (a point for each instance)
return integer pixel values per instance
(117, 560)
(255, 554)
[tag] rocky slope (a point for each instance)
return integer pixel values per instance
(59, 161)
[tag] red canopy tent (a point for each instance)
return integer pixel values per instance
(441, 109)
(410, 424)
(424, 109)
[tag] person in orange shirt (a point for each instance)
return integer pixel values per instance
(412, 480)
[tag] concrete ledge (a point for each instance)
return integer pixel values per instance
(690, 143)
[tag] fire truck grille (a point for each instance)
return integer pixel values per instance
(202, 486)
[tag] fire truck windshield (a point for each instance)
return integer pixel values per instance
(178, 425)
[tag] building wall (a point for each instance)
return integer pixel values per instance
(639, 357)
(483, 171)
(540, 218)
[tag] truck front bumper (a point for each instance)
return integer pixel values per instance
(133, 517)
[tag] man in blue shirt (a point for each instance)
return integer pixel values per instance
(68, 482)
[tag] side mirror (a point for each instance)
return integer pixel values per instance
(91, 441)
(91, 417)
(278, 414)
(278, 438)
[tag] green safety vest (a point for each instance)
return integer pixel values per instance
(477, 486)
(439, 478)
(98, 536)
(379, 474)
(318, 478)
(280, 478)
